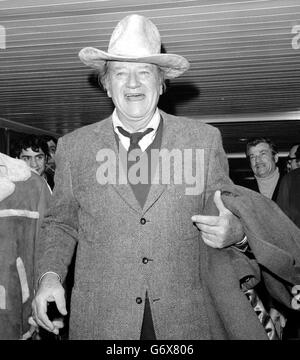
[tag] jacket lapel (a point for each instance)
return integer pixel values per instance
(106, 140)
(156, 190)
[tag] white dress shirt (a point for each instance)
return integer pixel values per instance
(146, 140)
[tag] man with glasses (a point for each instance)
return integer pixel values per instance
(292, 164)
(289, 191)
(289, 201)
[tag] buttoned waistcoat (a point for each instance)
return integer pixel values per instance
(120, 255)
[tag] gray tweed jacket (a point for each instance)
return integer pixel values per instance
(104, 220)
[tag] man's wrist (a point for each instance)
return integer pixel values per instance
(47, 273)
(242, 245)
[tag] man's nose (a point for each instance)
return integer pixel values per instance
(257, 158)
(33, 162)
(133, 80)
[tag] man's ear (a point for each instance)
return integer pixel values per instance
(161, 89)
(276, 157)
(106, 86)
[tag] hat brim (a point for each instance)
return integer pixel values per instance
(171, 64)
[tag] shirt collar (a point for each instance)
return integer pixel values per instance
(146, 140)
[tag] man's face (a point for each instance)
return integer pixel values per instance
(52, 148)
(135, 89)
(262, 161)
(292, 163)
(35, 159)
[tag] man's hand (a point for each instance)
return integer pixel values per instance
(219, 231)
(50, 289)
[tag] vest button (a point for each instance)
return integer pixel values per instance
(145, 260)
(138, 300)
(143, 221)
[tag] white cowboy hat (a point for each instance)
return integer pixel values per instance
(135, 39)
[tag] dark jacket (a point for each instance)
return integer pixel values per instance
(252, 184)
(289, 196)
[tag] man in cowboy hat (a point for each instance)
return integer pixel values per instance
(137, 271)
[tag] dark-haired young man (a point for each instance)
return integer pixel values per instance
(33, 149)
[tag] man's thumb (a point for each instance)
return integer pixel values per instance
(61, 304)
(219, 203)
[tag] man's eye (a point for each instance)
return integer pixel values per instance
(25, 158)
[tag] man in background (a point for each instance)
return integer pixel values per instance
(263, 158)
(34, 151)
(292, 162)
(52, 143)
(289, 201)
(289, 191)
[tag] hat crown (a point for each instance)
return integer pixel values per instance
(135, 35)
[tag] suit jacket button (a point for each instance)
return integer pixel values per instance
(143, 221)
(145, 260)
(138, 300)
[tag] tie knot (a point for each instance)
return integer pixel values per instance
(134, 137)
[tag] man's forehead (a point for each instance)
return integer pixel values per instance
(293, 150)
(129, 64)
(259, 147)
(51, 143)
(30, 152)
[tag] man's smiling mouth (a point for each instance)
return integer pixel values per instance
(134, 97)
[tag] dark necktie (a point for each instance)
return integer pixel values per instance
(134, 137)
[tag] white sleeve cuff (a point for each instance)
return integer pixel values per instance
(242, 245)
(49, 272)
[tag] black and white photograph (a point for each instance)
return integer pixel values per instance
(149, 174)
